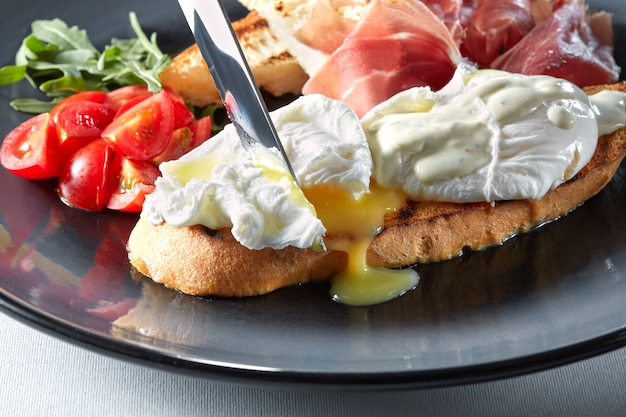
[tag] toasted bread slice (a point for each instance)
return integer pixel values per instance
(198, 261)
(427, 231)
(274, 69)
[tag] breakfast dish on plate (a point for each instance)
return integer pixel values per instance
(538, 300)
(443, 150)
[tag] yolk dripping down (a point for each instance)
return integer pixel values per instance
(351, 226)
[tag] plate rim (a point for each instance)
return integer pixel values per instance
(357, 381)
(390, 380)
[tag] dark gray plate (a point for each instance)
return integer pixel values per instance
(546, 298)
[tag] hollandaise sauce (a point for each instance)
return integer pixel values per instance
(351, 226)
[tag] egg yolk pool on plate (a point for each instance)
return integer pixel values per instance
(487, 136)
(352, 224)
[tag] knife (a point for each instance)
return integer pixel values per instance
(218, 44)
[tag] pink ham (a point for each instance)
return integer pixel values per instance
(568, 44)
(542, 9)
(325, 29)
(496, 26)
(449, 12)
(396, 45)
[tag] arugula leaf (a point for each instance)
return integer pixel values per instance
(12, 74)
(59, 60)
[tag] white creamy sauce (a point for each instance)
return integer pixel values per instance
(609, 107)
(487, 136)
(561, 117)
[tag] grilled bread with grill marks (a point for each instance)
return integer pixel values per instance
(199, 261)
(427, 231)
(273, 67)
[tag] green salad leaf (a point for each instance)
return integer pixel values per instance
(59, 60)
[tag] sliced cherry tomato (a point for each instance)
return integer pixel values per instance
(82, 181)
(31, 149)
(182, 114)
(124, 98)
(83, 118)
(131, 103)
(180, 144)
(201, 130)
(78, 123)
(92, 96)
(129, 182)
(143, 131)
(118, 97)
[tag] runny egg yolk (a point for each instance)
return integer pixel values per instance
(351, 226)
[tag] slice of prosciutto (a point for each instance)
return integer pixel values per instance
(449, 12)
(325, 28)
(568, 44)
(396, 45)
(496, 26)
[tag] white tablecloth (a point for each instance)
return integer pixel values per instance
(45, 377)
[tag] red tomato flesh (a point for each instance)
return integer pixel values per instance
(182, 115)
(105, 147)
(180, 144)
(143, 131)
(31, 149)
(82, 181)
(130, 103)
(201, 130)
(78, 123)
(129, 182)
(118, 97)
(91, 96)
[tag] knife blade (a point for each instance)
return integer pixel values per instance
(218, 44)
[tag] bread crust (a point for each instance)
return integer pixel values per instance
(200, 261)
(274, 69)
(423, 232)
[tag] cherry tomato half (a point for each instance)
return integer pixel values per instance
(31, 149)
(91, 96)
(105, 147)
(120, 96)
(128, 104)
(201, 130)
(78, 123)
(129, 182)
(182, 115)
(82, 181)
(180, 143)
(143, 131)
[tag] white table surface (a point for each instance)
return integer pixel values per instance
(44, 376)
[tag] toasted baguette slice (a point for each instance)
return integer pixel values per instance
(426, 231)
(197, 261)
(273, 67)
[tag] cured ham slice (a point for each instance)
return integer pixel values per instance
(496, 26)
(449, 12)
(542, 9)
(568, 44)
(325, 27)
(397, 44)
